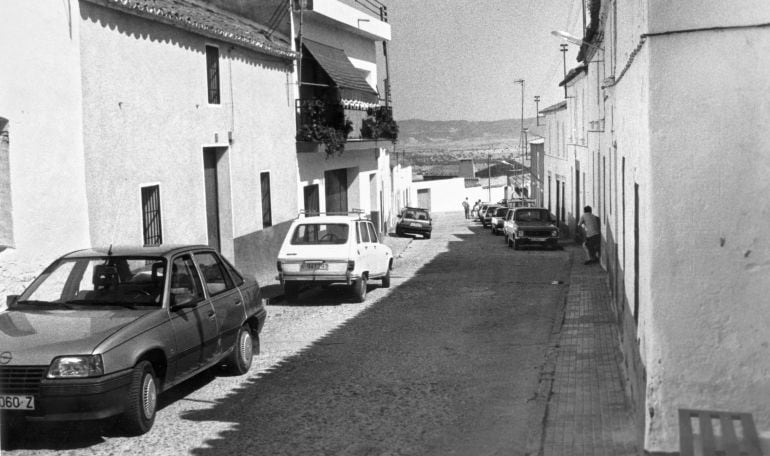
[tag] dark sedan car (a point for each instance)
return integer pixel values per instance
(414, 220)
(102, 332)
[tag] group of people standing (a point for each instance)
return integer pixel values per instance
(588, 222)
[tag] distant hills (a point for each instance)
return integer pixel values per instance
(457, 135)
(435, 147)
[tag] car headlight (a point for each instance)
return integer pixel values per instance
(76, 366)
(554, 233)
(520, 233)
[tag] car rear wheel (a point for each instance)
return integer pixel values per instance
(239, 361)
(427, 235)
(139, 415)
(359, 289)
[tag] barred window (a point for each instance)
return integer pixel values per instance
(212, 73)
(267, 216)
(151, 215)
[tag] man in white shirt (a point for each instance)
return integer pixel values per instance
(593, 235)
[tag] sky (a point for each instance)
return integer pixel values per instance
(458, 59)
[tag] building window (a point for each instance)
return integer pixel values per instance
(267, 217)
(212, 73)
(151, 215)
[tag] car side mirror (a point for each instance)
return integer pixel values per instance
(11, 301)
(182, 300)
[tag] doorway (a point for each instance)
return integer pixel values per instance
(336, 185)
(311, 199)
(423, 198)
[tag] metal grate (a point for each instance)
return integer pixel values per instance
(151, 215)
(21, 379)
(717, 434)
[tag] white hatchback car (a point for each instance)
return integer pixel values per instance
(326, 249)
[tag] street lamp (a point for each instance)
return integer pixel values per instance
(537, 110)
(564, 59)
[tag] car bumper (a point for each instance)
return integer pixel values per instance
(347, 278)
(538, 241)
(414, 229)
(79, 399)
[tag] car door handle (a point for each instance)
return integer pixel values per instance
(212, 315)
(238, 303)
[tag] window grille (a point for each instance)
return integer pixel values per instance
(151, 215)
(212, 73)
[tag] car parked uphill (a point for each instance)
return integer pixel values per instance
(326, 249)
(102, 332)
(531, 226)
(414, 220)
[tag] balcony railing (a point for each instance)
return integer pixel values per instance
(375, 7)
(330, 123)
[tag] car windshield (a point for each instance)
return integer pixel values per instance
(501, 212)
(99, 281)
(320, 233)
(416, 215)
(533, 215)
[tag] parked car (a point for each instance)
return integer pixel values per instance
(498, 217)
(513, 203)
(326, 249)
(487, 217)
(531, 225)
(414, 220)
(102, 332)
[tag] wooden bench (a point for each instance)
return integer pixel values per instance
(717, 434)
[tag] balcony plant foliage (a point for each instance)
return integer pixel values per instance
(324, 122)
(379, 124)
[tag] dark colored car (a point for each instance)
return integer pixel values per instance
(414, 220)
(102, 332)
(531, 226)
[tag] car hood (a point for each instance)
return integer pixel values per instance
(35, 337)
(535, 225)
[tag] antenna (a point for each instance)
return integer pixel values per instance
(109, 251)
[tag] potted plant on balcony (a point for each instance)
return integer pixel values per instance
(324, 122)
(380, 124)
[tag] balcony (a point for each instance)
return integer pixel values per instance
(334, 125)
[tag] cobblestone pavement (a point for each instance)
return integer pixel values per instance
(588, 412)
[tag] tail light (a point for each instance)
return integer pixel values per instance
(351, 265)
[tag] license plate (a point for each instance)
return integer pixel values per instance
(539, 239)
(314, 266)
(415, 224)
(13, 402)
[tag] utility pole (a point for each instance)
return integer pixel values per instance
(564, 59)
(521, 132)
(537, 110)
(489, 175)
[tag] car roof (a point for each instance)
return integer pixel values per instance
(409, 208)
(136, 250)
(329, 219)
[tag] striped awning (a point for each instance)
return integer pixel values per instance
(335, 63)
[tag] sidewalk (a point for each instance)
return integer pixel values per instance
(586, 412)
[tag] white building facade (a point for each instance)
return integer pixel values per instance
(341, 45)
(682, 203)
(163, 125)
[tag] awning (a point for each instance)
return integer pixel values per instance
(348, 78)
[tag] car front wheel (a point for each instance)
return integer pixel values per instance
(139, 415)
(359, 289)
(239, 361)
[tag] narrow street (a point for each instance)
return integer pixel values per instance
(446, 361)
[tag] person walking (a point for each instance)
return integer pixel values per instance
(475, 210)
(593, 235)
(467, 208)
